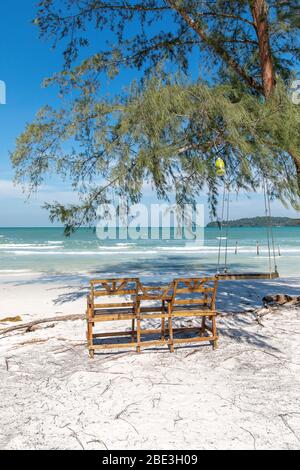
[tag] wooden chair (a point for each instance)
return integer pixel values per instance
(111, 310)
(194, 297)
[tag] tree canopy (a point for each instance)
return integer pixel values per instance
(212, 80)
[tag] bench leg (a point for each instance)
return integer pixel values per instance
(132, 330)
(138, 329)
(162, 335)
(91, 353)
(89, 333)
(162, 328)
(214, 332)
(170, 326)
(203, 326)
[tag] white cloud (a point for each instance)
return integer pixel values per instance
(9, 190)
(16, 209)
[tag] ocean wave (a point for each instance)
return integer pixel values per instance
(117, 246)
(40, 250)
(186, 248)
(77, 253)
(16, 272)
(126, 244)
(108, 248)
(7, 271)
(25, 246)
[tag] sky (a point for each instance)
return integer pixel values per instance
(25, 60)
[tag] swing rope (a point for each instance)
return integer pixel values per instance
(270, 231)
(227, 227)
(221, 172)
(268, 225)
(225, 202)
(221, 229)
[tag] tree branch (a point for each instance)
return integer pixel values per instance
(217, 47)
(124, 7)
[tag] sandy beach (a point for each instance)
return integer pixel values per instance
(149, 144)
(245, 395)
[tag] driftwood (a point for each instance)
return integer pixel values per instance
(28, 326)
(273, 304)
(281, 299)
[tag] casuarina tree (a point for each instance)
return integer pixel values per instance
(204, 79)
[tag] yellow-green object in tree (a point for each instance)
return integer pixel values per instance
(220, 167)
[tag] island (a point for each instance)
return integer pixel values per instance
(258, 222)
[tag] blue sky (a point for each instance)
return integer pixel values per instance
(25, 61)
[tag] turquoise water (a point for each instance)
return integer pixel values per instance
(26, 250)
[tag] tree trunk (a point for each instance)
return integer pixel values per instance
(259, 10)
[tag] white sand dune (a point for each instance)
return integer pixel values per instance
(245, 395)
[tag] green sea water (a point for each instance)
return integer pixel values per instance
(47, 250)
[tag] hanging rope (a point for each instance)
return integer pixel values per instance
(225, 202)
(271, 226)
(270, 234)
(221, 172)
(227, 226)
(221, 228)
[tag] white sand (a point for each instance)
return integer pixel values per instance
(245, 395)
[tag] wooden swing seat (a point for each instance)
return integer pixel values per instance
(241, 276)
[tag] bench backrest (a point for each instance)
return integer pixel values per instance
(100, 289)
(195, 291)
(156, 290)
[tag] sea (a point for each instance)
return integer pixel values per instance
(24, 251)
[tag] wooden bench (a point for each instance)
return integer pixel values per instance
(183, 298)
(194, 297)
(115, 309)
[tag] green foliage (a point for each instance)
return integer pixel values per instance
(165, 129)
(139, 38)
(168, 134)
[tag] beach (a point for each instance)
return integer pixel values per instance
(244, 395)
(150, 227)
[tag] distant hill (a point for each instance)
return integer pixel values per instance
(259, 222)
